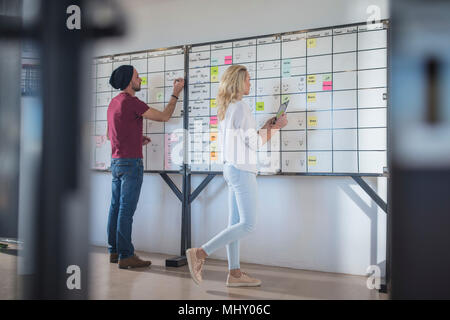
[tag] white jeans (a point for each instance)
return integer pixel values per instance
(242, 206)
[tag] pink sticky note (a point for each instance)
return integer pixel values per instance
(213, 120)
(99, 141)
(327, 86)
(228, 59)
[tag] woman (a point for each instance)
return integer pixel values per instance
(239, 143)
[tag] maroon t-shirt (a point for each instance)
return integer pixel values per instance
(125, 126)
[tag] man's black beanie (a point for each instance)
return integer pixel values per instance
(121, 77)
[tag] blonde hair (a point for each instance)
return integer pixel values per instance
(231, 87)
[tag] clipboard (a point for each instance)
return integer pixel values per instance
(281, 110)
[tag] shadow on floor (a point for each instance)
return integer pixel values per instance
(10, 251)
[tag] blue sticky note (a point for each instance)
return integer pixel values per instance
(286, 68)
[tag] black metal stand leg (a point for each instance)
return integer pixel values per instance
(383, 205)
(375, 197)
(183, 197)
(172, 186)
(186, 199)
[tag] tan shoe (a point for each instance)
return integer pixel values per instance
(195, 265)
(113, 257)
(243, 281)
(133, 262)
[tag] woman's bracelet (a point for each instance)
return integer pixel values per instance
(174, 96)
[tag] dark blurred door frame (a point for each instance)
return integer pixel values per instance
(10, 62)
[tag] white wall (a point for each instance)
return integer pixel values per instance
(317, 223)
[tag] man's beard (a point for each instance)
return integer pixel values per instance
(136, 88)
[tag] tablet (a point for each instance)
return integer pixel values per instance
(281, 110)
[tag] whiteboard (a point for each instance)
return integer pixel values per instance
(335, 79)
(157, 69)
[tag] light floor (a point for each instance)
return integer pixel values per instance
(107, 281)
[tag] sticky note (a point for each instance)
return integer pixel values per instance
(214, 74)
(144, 80)
(213, 123)
(213, 136)
(260, 106)
(327, 85)
(311, 43)
(312, 79)
(213, 146)
(213, 103)
(214, 61)
(99, 141)
(214, 156)
(160, 96)
(228, 60)
(312, 160)
(311, 97)
(312, 121)
(286, 68)
(285, 97)
(326, 77)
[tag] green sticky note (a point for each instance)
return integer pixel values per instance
(160, 96)
(260, 106)
(285, 97)
(214, 74)
(286, 68)
(327, 77)
(144, 80)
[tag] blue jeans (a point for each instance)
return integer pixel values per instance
(127, 176)
(242, 206)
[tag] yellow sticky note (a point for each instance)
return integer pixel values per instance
(312, 160)
(144, 80)
(312, 43)
(285, 97)
(213, 103)
(311, 97)
(312, 121)
(214, 74)
(312, 79)
(260, 106)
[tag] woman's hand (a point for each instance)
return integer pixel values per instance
(280, 123)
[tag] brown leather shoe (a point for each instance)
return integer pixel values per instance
(133, 262)
(113, 257)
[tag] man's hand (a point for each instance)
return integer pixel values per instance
(178, 85)
(145, 140)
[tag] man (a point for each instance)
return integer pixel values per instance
(125, 121)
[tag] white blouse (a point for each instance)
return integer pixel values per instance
(238, 137)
